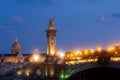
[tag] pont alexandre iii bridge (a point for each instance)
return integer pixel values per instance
(72, 68)
(103, 62)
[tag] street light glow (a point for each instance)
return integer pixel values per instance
(92, 50)
(117, 44)
(36, 57)
(99, 49)
(86, 52)
(62, 54)
(110, 49)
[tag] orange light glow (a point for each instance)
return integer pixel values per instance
(77, 52)
(111, 49)
(99, 49)
(92, 50)
(36, 57)
(86, 51)
(117, 44)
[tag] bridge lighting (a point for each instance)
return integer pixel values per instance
(71, 55)
(62, 76)
(68, 56)
(77, 53)
(115, 58)
(78, 58)
(66, 76)
(19, 72)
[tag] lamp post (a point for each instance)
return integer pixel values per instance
(36, 59)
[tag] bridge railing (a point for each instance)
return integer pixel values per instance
(81, 61)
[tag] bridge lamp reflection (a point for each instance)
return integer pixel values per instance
(19, 72)
(63, 76)
(66, 76)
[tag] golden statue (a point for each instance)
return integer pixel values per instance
(51, 22)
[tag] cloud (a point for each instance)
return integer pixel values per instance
(14, 20)
(101, 19)
(13, 25)
(116, 15)
(96, 1)
(34, 2)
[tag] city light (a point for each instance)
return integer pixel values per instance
(117, 43)
(92, 50)
(86, 52)
(63, 75)
(77, 52)
(80, 52)
(99, 49)
(61, 54)
(36, 57)
(19, 72)
(110, 49)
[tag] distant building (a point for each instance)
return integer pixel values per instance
(117, 46)
(17, 56)
(15, 49)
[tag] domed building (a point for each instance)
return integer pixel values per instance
(16, 55)
(16, 49)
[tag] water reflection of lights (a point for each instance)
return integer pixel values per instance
(52, 72)
(19, 72)
(38, 72)
(26, 72)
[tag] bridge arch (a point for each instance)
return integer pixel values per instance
(74, 71)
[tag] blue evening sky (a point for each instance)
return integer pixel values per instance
(80, 23)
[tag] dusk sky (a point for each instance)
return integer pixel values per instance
(80, 23)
